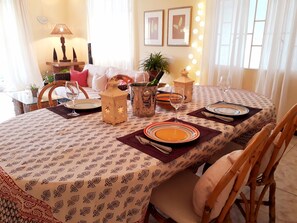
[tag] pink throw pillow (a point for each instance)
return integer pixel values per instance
(80, 77)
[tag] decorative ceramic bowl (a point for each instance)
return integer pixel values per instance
(163, 101)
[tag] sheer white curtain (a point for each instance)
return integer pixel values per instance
(224, 41)
(18, 64)
(110, 32)
(278, 66)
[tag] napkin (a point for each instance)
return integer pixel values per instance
(178, 149)
(63, 111)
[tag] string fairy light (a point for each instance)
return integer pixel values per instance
(198, 31)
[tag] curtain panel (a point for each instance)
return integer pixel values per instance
(278, 66)
(224, 41)
(18, 62)
(110, 32)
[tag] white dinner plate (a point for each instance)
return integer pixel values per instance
(229, 109)
(171, 132)
(82, 104)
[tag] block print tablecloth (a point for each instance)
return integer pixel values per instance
(74, 170)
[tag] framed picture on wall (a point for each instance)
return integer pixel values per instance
(153, 28)
(179, 26)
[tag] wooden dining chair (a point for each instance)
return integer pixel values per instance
(262, 175)
(186, 198)
(123, 80)
(49, 89)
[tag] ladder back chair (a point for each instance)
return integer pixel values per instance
(186, 198)
(263, 172)
(49, 89)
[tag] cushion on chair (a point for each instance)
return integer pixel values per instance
(80, 77)
(209, 180)
(174, 197)
(267, 156)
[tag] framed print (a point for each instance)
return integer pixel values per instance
(153, 28)
(179, 26)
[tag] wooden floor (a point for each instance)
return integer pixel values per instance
(286, 177)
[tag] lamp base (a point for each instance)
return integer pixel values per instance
(65, 60)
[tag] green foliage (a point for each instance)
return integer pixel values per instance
(64, 71)
(50, 78)
(155, 61)
(33, 87)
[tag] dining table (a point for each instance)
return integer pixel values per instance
(82, 170)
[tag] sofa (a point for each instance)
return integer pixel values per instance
(94, 78)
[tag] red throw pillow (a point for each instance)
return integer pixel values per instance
(80, 77)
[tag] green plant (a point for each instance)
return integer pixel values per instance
(50, 78)
(33, 87)
(155, 62)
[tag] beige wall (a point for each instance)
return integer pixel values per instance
(70, 12)
(178, 56)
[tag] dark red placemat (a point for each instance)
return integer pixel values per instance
(178, 149)
(237, 119)
(63, 111)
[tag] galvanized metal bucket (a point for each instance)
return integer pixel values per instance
(143, 99)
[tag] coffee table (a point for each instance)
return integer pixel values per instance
(23, 101)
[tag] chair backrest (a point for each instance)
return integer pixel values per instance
(275, 147)
(239, 171)
(49, 88)
(124, 80)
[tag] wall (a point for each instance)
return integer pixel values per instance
(70, 12)
(178, 56)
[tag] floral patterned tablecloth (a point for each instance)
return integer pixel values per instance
(74, 170)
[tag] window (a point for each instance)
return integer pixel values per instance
(240, 33)
(255, 32)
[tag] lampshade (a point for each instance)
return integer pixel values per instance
(61, 29)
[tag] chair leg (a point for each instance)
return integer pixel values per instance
(252, 217)
(272, 202)
(147, 215)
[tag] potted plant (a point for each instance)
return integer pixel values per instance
(154, 64)
(34, 90)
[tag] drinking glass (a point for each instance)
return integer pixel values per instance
(72, 92)
(141, 77)
(176, 98)
(224, 85)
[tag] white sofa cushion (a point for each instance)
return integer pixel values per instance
(94, 70)
(98, 77)
(99, 82)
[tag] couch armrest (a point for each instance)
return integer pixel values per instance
(62, 76)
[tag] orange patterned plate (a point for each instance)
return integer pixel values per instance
(171, 132)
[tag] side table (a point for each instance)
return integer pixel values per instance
(58, 66)
(24, 102)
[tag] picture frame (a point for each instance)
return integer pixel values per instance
(153, 28)
(179, 26)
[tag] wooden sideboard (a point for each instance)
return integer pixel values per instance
(58, 66)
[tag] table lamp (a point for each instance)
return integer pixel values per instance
(61, 29)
